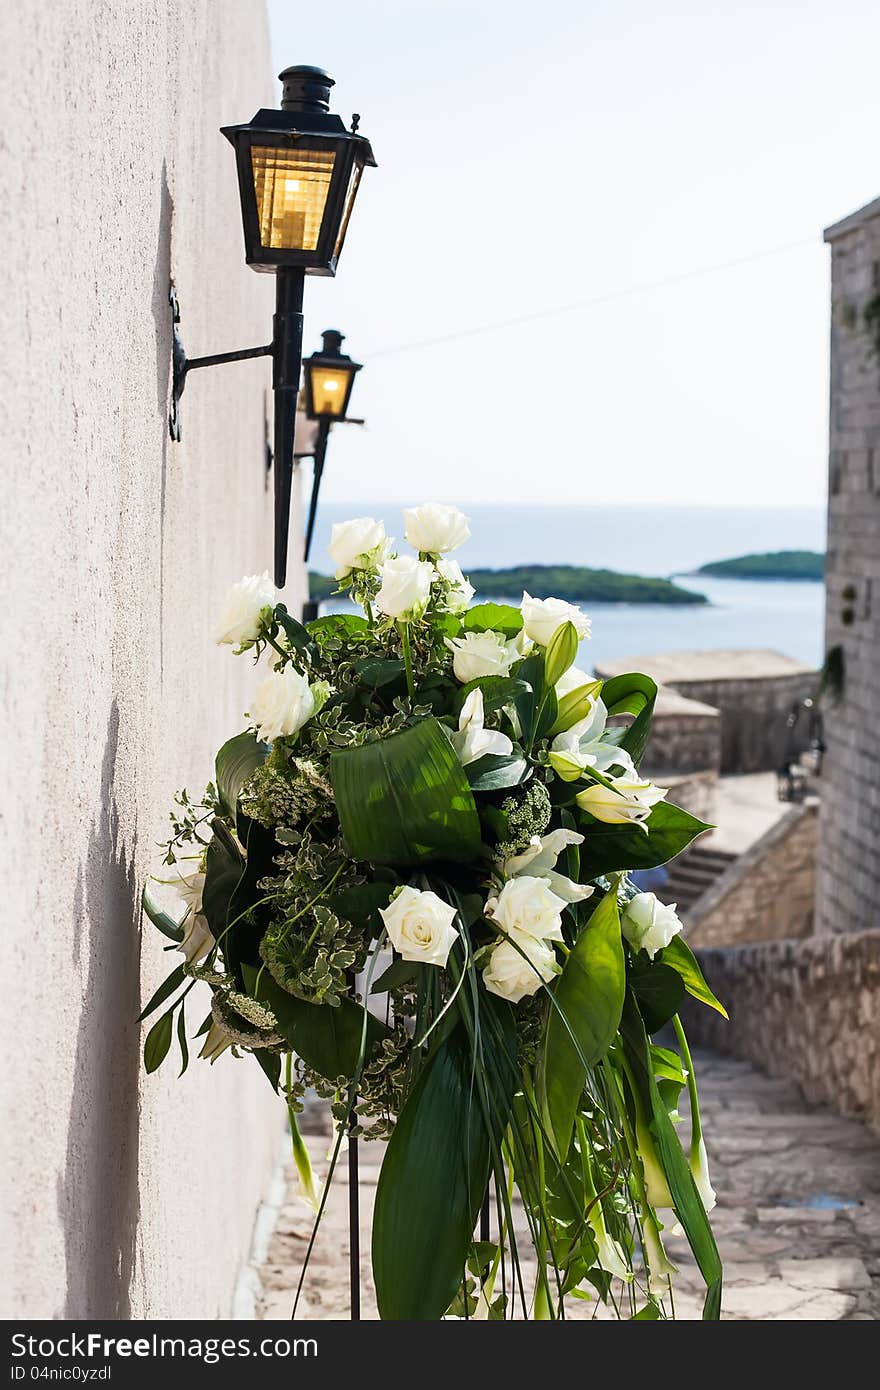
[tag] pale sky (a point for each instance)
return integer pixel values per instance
(533, 156)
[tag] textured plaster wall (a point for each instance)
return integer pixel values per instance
(123, 1195)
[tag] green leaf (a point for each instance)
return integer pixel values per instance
(497, 692)
(659, 990)
(271, 1064)
(634, 694)
(574, 706)
(376, 671)
(688, 1206)
(327, 1038)
(360, 905)
(405, 800)
(607, 848)
(431, 1187)
(181, 1040)
(337, 625)
(493, 771)
(589, 995)
(650, 1313)
(297, 636)
(165, 991)
(680, 956)
(560, 652)
(527, 703)
(158, 1041)
(160, 918)
(237, 760)
(493, 617)
(399, 972)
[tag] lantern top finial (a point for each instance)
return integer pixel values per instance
(305, 88)
(332, 341)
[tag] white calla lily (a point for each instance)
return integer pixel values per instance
(584, 746)
(539, 861)
(472, 739)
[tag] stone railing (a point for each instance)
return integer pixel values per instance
(804, 1010)
(767, 894)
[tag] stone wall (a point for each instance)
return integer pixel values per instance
(685, 736)
(767, 894)
(803, 1010)
(849, 856)
(124, 1196)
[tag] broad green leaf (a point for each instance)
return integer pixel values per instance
(405, 800)
(327, 1038)
(493, 617)
(497, 692)
(589, 996)
(237, 760)
(297, 636)
(181, 1040)
(527, 702)
(360, 904)
(680, 956)
(650, 1313)
(560, 652)
(634, 694)
(165, 991)
(688, 1206)
(493, 771)
(607, 848)
(271, 1065)
(224, 869)
(159, 918)
(659, 990)
(337, 625)
(431, 1187)
(376, 671)
(399, 972)
(158, 1041)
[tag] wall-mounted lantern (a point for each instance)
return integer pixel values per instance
(298, 174)
(329, 376)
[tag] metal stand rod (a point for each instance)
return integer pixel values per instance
(484, 1216)
(287, 364)
(320, 456)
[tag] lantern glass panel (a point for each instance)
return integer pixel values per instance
(351, 194)
(291, 187)
(329, 388)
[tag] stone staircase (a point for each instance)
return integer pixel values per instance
(692, 873)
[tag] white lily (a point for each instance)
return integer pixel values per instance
(660, 1267)
(583, 747)
(539, 861)
(699, 1164)
(473, 740)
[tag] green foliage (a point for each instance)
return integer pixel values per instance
(777, 564)
(237, 760)
(681, 958)
(610, 848)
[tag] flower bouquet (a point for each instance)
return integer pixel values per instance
(407, 891)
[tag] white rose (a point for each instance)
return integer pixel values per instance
(241, 617)
(406, 586)
(356, 544)
(648, 924)
(459, 593)
(434, 528)
(542, 616)
(472, 740)
(420, 926)
(527, 907)
(513, 975)
(282, 704)
(481, 654)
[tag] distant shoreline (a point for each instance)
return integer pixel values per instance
(572, 582)
(777, 564)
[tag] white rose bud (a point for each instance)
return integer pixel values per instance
(356, 544)
(481, 654)
(420, 926)
(527, 907)
(242, 615)
(282, 704)
(513, 974)
(542, 616)
(434, 529)
(406, 587)
(648, 924)
(459, 593)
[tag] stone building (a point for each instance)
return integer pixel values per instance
(849, 857)
(117, 546)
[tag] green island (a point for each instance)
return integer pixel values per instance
(778, 564)
(556, 581)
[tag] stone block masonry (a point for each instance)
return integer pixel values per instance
(848, 893)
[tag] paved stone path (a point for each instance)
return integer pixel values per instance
(797, 1221)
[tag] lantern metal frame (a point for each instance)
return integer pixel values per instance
(304, 123)
(330, 357)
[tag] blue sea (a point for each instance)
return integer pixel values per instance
(667, 541)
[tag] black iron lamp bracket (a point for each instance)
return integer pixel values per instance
(181, 364)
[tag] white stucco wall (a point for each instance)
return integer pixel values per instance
(123, 1195)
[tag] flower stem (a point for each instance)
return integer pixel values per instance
(407, 660)
(696, 1125)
